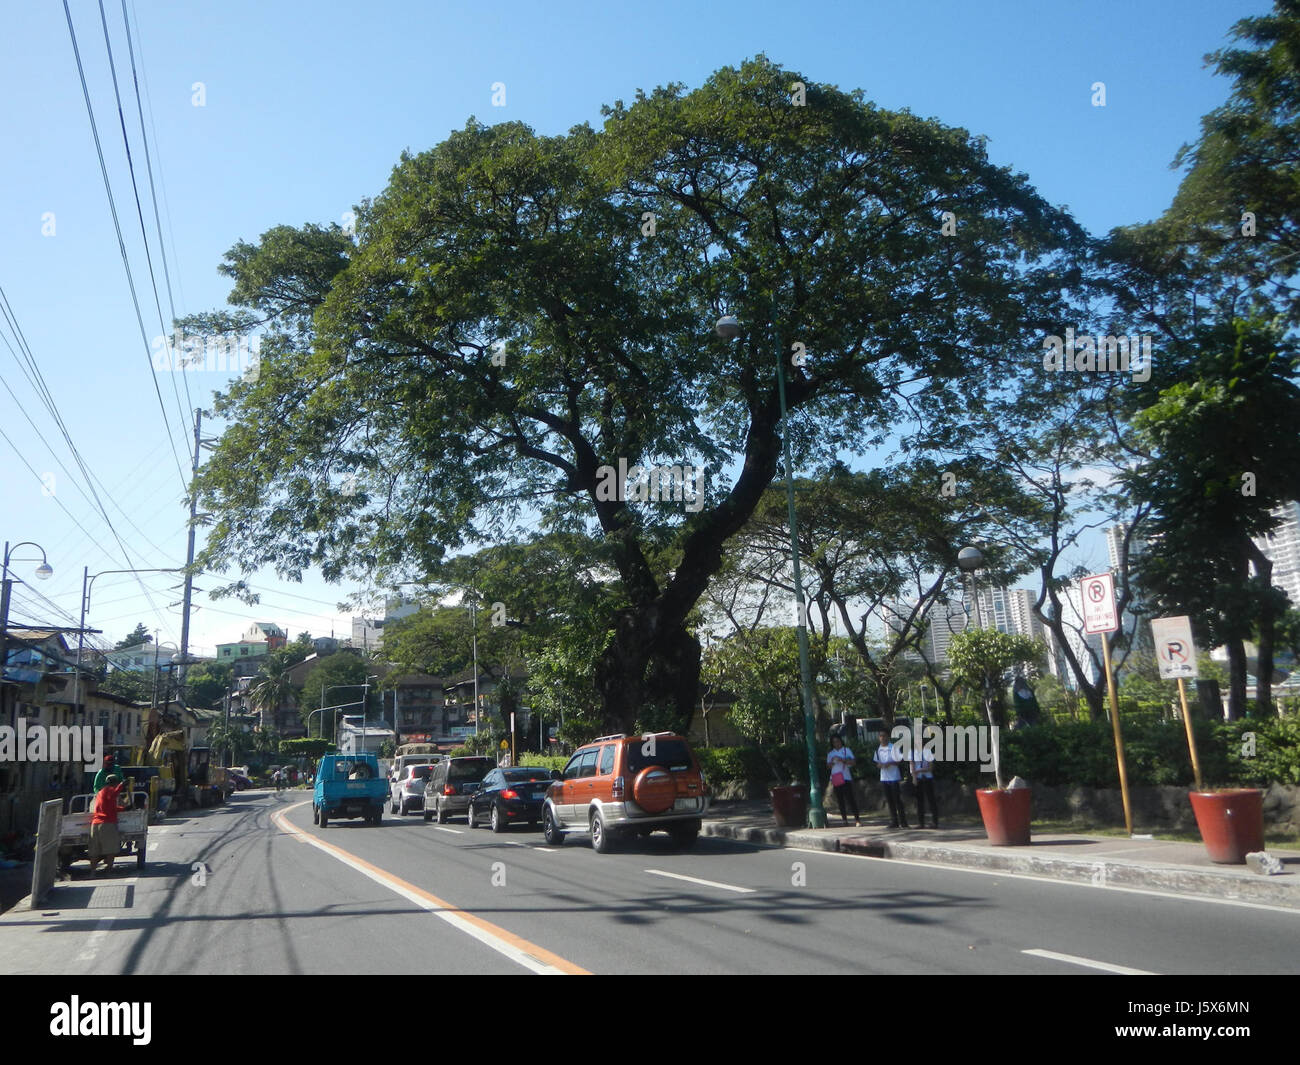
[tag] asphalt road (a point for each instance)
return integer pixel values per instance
(407, 897)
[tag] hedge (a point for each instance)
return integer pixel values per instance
(1067, 753)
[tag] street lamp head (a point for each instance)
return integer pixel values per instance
(969, 559)
(44, 571)
(728, 327)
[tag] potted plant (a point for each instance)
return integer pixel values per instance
(983, 656)
(1231, 821)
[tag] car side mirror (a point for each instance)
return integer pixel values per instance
(556, 775)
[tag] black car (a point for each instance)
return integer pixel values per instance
(510, 797)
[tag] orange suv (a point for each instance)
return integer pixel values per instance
(618, 786)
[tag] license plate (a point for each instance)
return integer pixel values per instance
(686, 804)
(539, 795)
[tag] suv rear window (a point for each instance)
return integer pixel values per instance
(462, 769)
(670, 754)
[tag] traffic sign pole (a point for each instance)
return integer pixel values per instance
(1191, 735)
(1119, 736)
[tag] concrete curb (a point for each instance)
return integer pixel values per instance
(1110, 872)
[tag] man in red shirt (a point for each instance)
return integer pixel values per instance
(105, 842)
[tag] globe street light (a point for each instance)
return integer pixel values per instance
(43, 572)
(728, 327)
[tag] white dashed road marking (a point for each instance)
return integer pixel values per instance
(1088, 963)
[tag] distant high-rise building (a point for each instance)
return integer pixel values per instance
(1282, 546)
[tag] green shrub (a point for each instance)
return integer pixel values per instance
(545, 761)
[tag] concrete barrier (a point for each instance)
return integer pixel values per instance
(46, 863)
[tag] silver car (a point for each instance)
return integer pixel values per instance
(452, 782)
(406, 790)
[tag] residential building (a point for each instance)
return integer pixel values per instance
(261, 638)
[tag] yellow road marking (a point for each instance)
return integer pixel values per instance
(516, 948)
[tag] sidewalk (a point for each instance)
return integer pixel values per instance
(1102, 861)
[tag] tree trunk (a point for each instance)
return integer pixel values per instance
(1236, 678)
(648, 676)
(1269, 611)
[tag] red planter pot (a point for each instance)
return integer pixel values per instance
(1006, 816)
(1231, 823)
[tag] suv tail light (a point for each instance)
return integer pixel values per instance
(510, 793)
(448, 790)
(619, 788)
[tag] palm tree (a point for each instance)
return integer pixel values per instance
(272, 688)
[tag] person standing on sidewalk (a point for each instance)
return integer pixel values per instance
(841, 760)
(891, 779)
(923, 775)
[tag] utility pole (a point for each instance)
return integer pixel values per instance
(189, 558)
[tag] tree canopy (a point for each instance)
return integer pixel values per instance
(522, 313)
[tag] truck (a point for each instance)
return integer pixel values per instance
(347, 786)
(132, 827)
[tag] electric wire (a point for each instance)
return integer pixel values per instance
(121, 243)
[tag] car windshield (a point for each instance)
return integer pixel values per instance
(670, 754)
(470, 768)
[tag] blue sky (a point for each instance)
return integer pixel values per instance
(307, 106)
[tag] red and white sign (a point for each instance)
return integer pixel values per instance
(1175, 651)
(1099, 613)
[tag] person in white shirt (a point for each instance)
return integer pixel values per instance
(891, 779)
(841, 759)
(923, 775)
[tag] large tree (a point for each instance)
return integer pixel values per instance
(522, 314)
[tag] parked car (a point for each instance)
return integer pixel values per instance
(618, 786)
(406, 792)
(241, 782)
(509, 797)
(349, 785)
(452, 782)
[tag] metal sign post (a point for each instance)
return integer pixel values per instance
(1100, 617)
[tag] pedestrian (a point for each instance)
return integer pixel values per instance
(105, 841)
(891, 779)
(102, 776)
(923, 775)
(841, 759)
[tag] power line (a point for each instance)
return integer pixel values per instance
(121, 244)
(135, 189)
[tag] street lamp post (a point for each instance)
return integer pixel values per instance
(728, 327)
(43, 572)
(87, 583)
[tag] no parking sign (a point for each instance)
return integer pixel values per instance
(1099, 613)
(1175, 651)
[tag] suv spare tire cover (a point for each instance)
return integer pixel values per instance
(654, 789)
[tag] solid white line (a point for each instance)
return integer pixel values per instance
(455, 831)
(1041, 879)
(706, 883)
(1074, 959)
